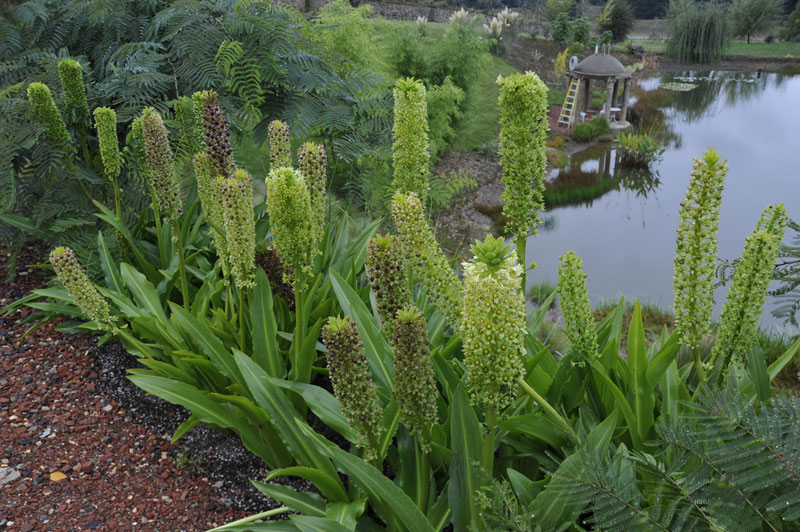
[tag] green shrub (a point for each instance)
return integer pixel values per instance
(791, 27)
(444, 110)
(553, 8)
(638, 150)
(587, 131)
(348, 32)
(617, 17)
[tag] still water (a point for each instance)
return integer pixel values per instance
(626, 237)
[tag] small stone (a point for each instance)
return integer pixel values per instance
(108, 408)
(8, 474)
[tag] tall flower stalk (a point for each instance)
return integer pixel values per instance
(523, 133)
(217, 136)
(105, 121)
(426, 256)
(76, 106)
(386, 271)
(240, 232)
(410, 152)
(45, 111)
(742, 309)
(205, 174)
(280, 150)
(575, 307)
(312, 162)
(696, 252)
(81, 289)
(164, 183)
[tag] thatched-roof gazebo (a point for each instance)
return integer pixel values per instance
(603, 67)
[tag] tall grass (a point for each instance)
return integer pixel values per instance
(698, 32)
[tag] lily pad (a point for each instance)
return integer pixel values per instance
(679, 87)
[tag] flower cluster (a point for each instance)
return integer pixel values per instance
(217, 135)
(414, 380)
(493, 324)
(290, 216)
(696, 249)
(105, 120)
(410, 151)
(280, 151)
(77, 283)
(351, 378)
(425, 255)
(240, 231)
(312, 162)
(199, 100)
(160, 164)
(71, 74)
(386, 271)
(205, 173)
(523, 132)
(46, 112)
(742, 309)
(574, 302)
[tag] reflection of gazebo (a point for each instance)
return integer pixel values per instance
(603, 67)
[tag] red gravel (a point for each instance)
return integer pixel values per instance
(117, 475)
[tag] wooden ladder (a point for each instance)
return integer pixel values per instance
(567, 116)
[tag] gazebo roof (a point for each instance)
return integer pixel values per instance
(601, 65)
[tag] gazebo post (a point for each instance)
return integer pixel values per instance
(609, 96)
(586, 93)
(625, 86)
(615, 99)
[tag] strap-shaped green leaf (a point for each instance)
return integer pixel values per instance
(264, 329)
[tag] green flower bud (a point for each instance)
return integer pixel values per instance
(199, 100)
(426, 257)
(160, 164)
(742, 309)
(240, 230)
(575, 308)
(414, 381)
(696, 249)
(493, 326)
(217, 135)
(410, 152)
(351, 379)
(523, 133)
(312, 162)
(205, 173)
(289, 206)
(386, 271)
(280, 153)
(81, 289)
(75, 104)
(105, 121)
(46, 112)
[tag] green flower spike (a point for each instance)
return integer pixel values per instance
(290, 216)
(199, 100)
(205, 173)
(312, 161)
(280, 153)
(217, 136)
(696, 249)
(76, 107)
(410, 152)
(493, 324)
(575, 308)
(414, 380)
(426, 257)
(240, 232)
(160, 164)
(81, 289)
(386, 271)
(352, 380)
(46, 112)
(742, 309)
(105, 120)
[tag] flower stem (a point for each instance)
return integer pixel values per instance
(487, 461)
(549, 409)
(181, 266)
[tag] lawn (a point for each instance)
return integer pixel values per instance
(756, 50)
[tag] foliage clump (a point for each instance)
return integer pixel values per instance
(587, 131)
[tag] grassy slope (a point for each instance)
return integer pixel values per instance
(756, 50)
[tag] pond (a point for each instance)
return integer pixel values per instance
(626, 236)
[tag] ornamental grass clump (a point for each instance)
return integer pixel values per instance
(160, 164)
(352, 380)
(742, 309)
(312, 162)
(280, 151)
(75, 106)
(45, 111)
(240, 233)
(217, 136)
(414, 381)
(81, 289)
(523, 133)
(575, 307)
(493, 324)
(696, 249)
(426, 257)
(291, 219)
(410, 151)
(386, 271)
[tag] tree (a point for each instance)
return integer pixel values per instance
(617, 17)
(698, 31)
(649, 8)
(791, 28)
(751, 16)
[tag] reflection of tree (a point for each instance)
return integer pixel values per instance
(642, 181)
(648, 117)
(737, 88)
